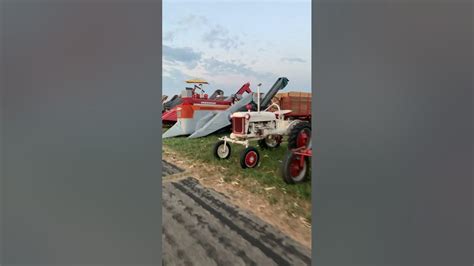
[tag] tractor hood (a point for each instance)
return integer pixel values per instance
(256, 116)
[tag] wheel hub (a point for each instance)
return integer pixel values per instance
(250, 158)
(302, 139)
(297, 168)
(222, 150)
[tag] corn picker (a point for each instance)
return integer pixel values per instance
(266, 127)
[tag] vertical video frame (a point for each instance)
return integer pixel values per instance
(236, 114)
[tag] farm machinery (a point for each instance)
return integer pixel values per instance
(216, 121)
(296, 163)
(266, 127)
(169, 115)
(198, 118)
(186, 111)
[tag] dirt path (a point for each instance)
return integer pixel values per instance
(202, 227)
(275, 214)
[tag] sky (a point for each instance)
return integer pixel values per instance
(229, 44)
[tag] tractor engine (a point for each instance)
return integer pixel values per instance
(249, 124)
(259, 127)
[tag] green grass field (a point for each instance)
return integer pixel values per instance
(267, 174)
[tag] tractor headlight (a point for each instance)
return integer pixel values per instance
(247, 116)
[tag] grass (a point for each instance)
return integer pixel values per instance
(266, 175)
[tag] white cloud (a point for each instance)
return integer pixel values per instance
(218, 36)
(218, 67)
(183, 55)
(293, 60)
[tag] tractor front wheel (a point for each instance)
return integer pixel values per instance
(222, 150)
(295, 168)
(249, 158)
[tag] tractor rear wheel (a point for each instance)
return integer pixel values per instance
(222, 150)
(270, 142)
(300, 136)
(249, 158)
(295, 168)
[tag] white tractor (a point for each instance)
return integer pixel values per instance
(267, 127)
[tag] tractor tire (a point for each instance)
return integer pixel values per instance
(222, 150)
(270, 143)
(300, 135)
(249, 158)
(291, 171)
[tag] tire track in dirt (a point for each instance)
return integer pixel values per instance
(210, 230)
(215, 233)
(171, 245)
(170, 169)
(249, 196)
(223, 246)
(246, 227)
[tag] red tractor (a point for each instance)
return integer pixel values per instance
(296, 164)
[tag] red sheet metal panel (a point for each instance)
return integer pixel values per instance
(238, 125)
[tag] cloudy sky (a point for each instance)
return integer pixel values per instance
(229, 44)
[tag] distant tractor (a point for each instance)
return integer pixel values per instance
(296, 163)
(268, 128)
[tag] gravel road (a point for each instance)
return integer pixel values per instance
(201, 227)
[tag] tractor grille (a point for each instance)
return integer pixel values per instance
(238, 125)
